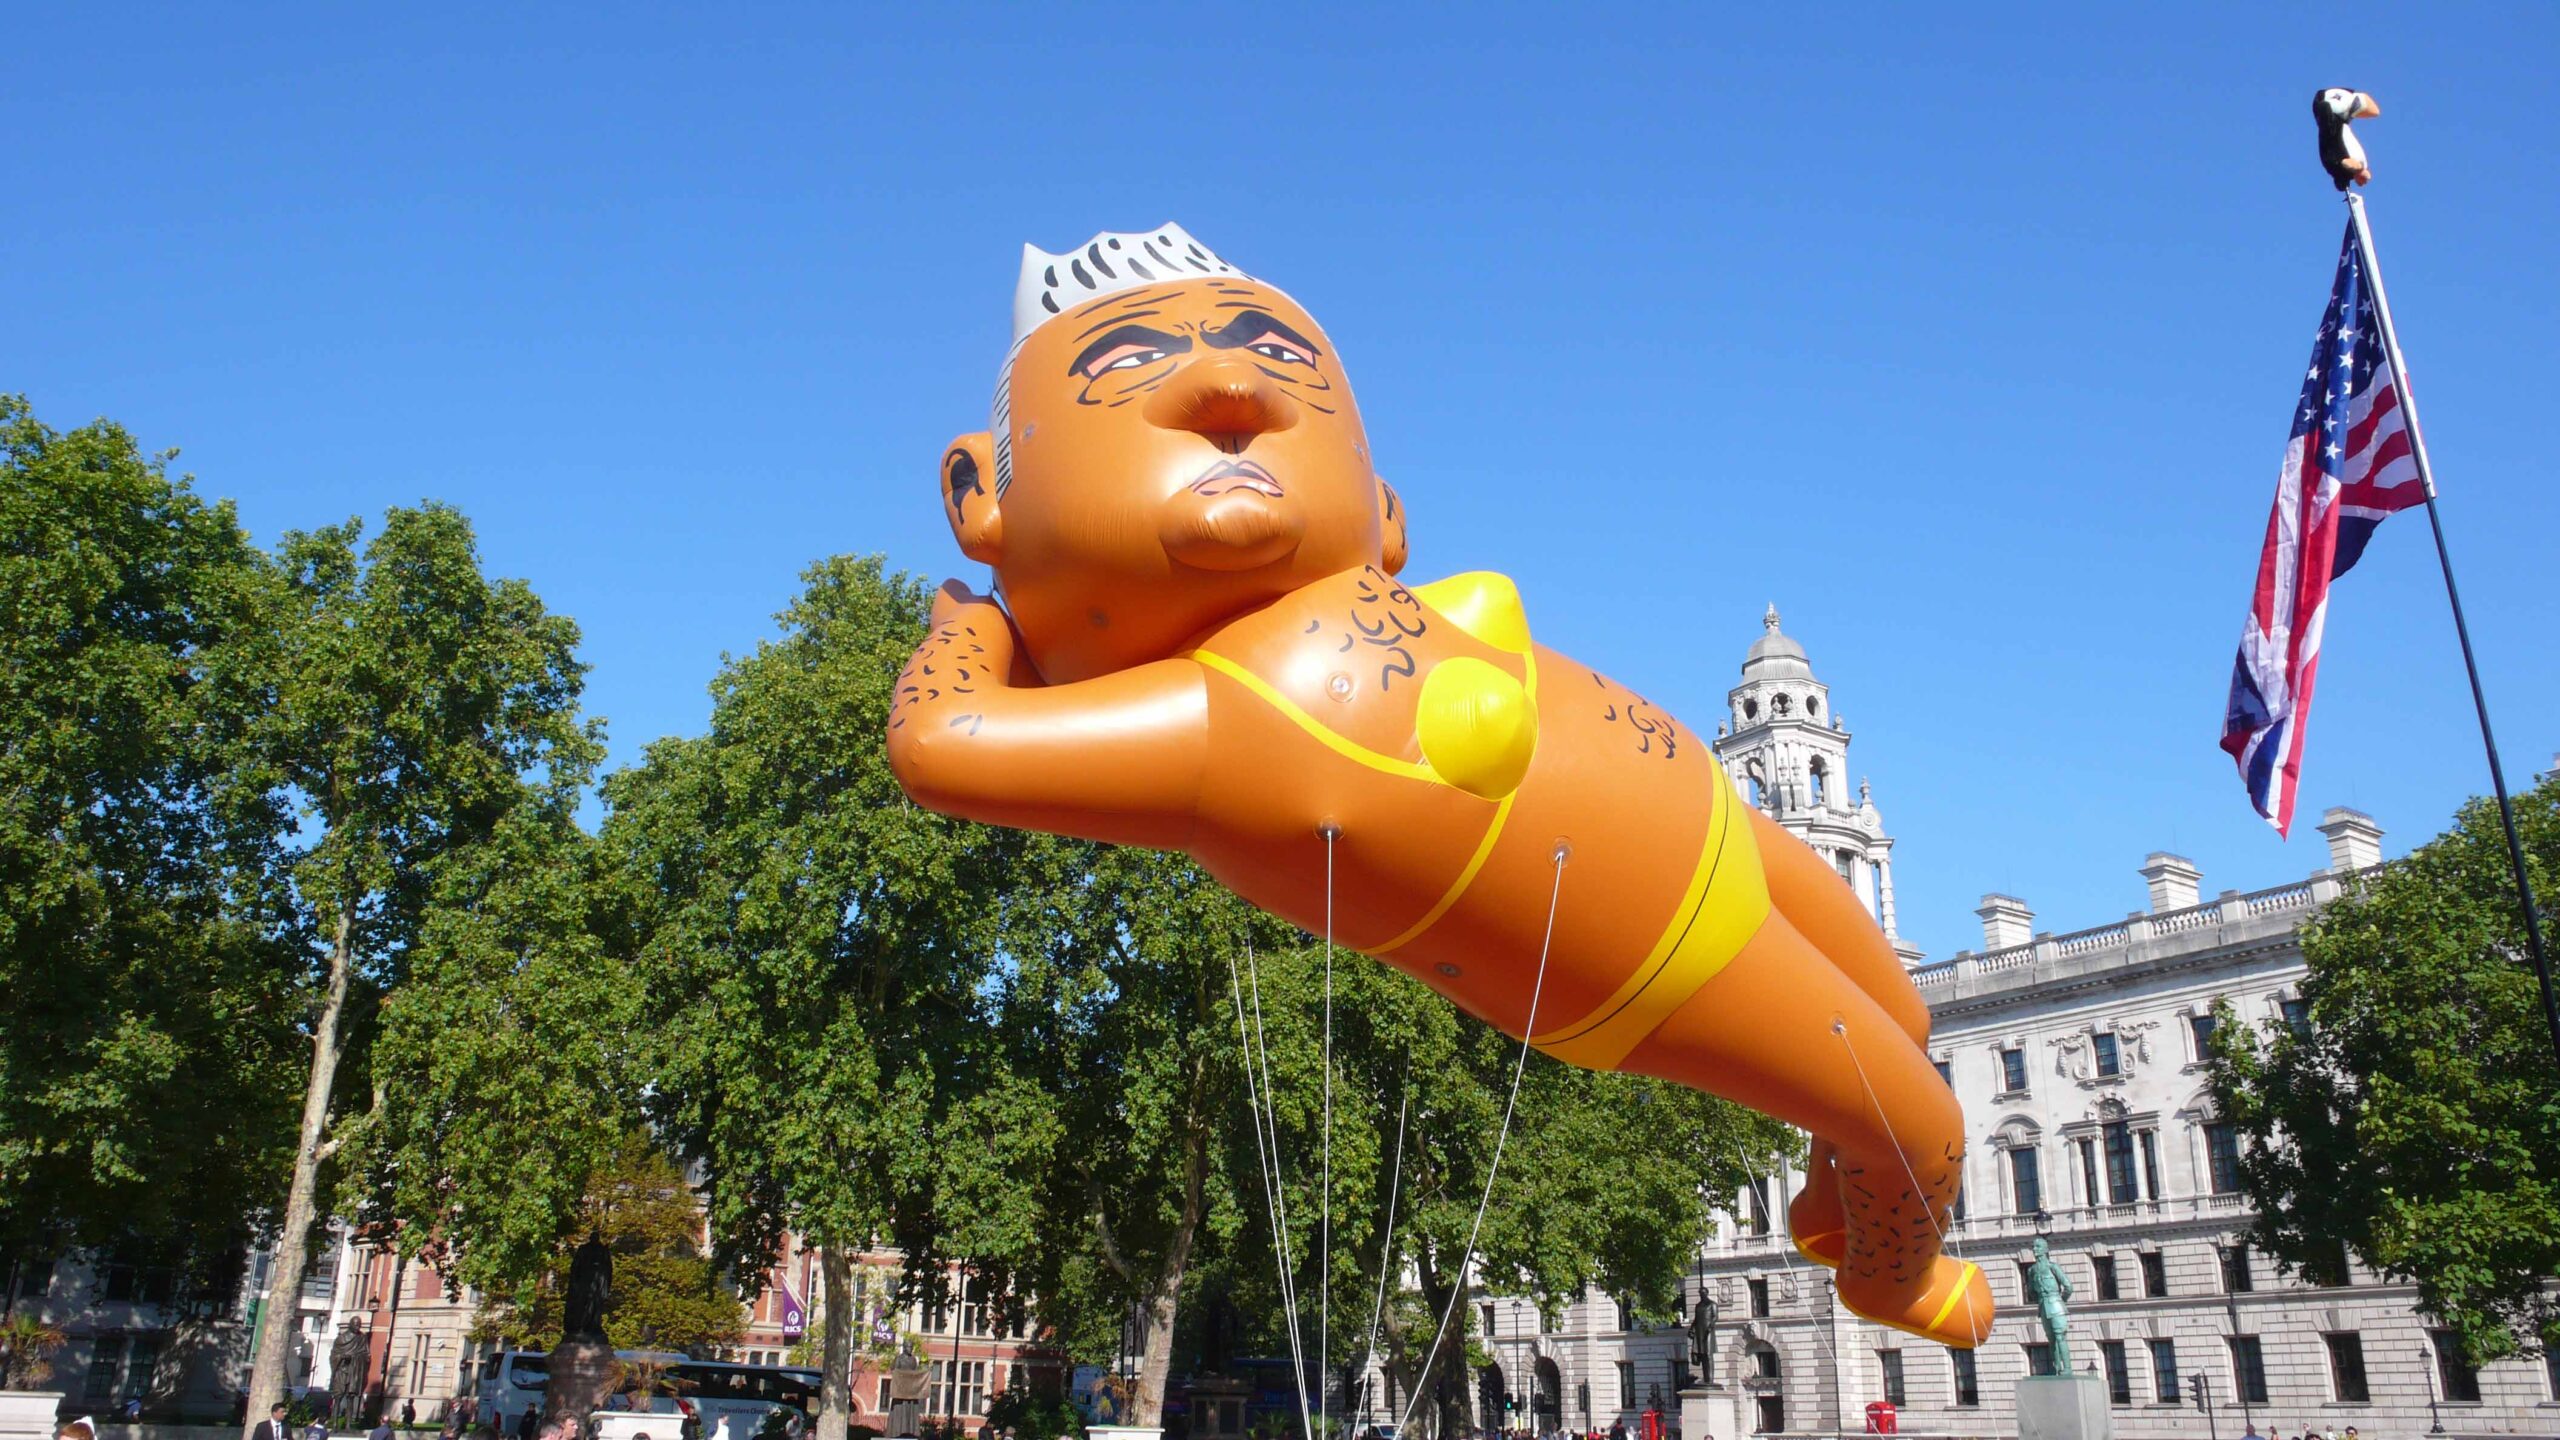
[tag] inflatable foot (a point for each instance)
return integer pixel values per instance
(1955, 1310)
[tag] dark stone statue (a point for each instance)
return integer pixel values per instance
(1702, 1340)
(590, 1282)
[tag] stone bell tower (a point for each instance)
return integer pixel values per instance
(1788, 753)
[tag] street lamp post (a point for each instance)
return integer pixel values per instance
(2435, 1417)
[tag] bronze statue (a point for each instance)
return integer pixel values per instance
(1702, 1339)
(2048, 1287)
(590, 1284)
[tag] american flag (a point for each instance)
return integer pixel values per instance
(2347, 464)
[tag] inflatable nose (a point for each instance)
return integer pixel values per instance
(1222, 399)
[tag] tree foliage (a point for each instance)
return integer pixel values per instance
(426, 731)
(146, 1072)
(666, 1295)
(815, 955)
(2415, 1119)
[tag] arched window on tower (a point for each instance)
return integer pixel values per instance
(1815, 775)
(1840, 858)
(1756, 783)
(1812, 706)
(1779, 705)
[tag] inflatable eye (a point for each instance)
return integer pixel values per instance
(1127, 357)
(1275, 350)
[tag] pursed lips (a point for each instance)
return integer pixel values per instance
(1237, 475)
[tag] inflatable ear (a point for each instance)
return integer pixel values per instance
(969, 497)
(1391, 543)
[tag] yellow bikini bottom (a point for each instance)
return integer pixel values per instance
(1727, 899)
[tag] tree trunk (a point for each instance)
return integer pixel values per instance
(1155, 1364)
(281, 1318)
(835, 1343)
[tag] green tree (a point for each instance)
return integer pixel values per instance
(2414, 1120)
(818, 956)
(423, 714)
(667, 1294)
(1605, 1178)
(1128, 1011)
(144, 1088)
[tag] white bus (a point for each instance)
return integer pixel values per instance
(704, 1392)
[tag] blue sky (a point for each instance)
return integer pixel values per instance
(1968, 337)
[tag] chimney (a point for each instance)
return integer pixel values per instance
(2355, 842)
(2006, 921)
(2172, 879)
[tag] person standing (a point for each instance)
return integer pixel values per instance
(274, 1426)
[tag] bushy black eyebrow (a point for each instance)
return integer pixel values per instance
(1252, 325)
(1129, 335)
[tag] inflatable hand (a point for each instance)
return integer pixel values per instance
(1203, 645)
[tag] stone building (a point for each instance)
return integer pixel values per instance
(2076, 1057)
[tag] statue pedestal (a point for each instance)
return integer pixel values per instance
(581, 1375)
(1711, 1413)
(2064, 1407)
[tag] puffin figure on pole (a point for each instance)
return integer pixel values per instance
(2337, 109)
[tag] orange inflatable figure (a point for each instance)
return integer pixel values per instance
(1199, 643)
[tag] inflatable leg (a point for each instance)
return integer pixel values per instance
(1815, 1220)
(1785, 1031)
(1831, 917)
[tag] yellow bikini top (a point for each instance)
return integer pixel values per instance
(1477, 725)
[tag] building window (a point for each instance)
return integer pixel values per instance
(1626, 1317)
(106, 1360)
(2551, 1368)
(2120, 1183)
(1758, 1197)
(2329, 1266)
(1946, 1073)
(2026, 1282)
(2222, 1151)
(2248, 1369)
(1765, 1360)
(2105, 1266)
(2297, 1016)
(2013, 1072)
(2201, 1027)
(2024, 1183)
(2088, 1149)
(2119, 1372)
(2346, 1368)
(1760, 1306)
(2150, 1162)
(1891, 1360)
(1968, 1389)
(2040, 1358)
(2461, 1383)
(1488, 1318)
(1817, 776)
(2236, 1279)
(1626, 1384)
(972, 1395)
(2164, 1371)
(1769, 1416)
(883, 1407)
(2103, 1046)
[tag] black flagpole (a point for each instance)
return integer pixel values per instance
(2461, 630)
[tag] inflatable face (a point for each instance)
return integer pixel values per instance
(1203, 646)
(1167, 453)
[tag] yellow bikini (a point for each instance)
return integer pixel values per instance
(1478, 730)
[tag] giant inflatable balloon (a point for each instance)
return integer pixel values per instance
(1198, 641)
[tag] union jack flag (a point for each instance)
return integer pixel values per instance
(2347, 465)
